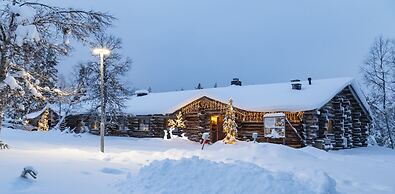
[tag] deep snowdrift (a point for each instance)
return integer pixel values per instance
(73, 164)
(196, 176)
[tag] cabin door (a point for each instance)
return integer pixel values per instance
(217, 132)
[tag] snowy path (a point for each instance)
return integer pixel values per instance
(68, 164)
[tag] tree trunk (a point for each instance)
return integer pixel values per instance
(3, 67)
(389, 131)
(3, 74)
(1, 120)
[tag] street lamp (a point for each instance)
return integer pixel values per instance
(102, 52)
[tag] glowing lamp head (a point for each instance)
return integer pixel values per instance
(101, 51)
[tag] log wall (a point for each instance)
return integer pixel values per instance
(341, 123)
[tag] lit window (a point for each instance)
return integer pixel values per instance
(274, 125)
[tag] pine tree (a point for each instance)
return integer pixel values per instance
(199, 87)
(44, 69)
(215, 85)
(230, 125)
(43, 124)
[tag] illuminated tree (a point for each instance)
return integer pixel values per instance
(230, 125)
(177, 123)
(43, 122)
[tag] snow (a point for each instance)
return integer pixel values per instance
(33, 115)
(264, 98)
(34, 91)
(25, 14)
(10, 81)
(26, 33)
(274, 115)
(69, 164)
(219, 177)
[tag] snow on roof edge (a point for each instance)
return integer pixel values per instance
(325, 88)
(361, 97)
(273, 97)
(35, 114)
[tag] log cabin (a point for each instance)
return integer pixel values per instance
(47, 116)
(326, 113)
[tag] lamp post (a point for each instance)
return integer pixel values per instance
(102, 52)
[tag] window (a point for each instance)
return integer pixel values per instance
(143, 124)
(274, 126)
(330, 126)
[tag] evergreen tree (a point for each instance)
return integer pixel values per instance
(43, 124)
(230, 125)
(199, 87)
(44, 69)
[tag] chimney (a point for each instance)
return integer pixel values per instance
(140, 93)
(296, 85)
(309, 79)
(235, 82)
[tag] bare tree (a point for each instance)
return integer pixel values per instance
(379, 75)
(116, 66)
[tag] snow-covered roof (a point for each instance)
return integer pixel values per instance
(141, 92)
(279, 114)
(263, 98)
(33, 115)
(36, 114)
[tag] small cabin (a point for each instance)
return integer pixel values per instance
(41, 120)
(327, 113)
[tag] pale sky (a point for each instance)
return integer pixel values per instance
(178, 43)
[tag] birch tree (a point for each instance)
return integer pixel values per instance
(115, 69)
(379, 76)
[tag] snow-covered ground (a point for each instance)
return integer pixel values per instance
(72, 164)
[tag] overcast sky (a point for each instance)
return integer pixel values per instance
(178, 43)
